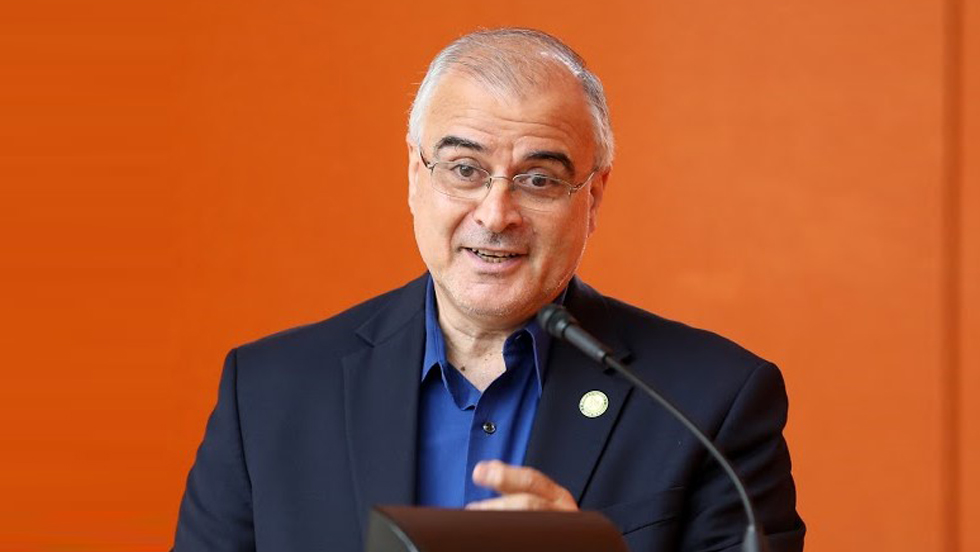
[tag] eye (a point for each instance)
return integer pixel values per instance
(540, 181)
(540, 186)
(466, 172)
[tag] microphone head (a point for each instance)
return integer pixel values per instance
(554, 319)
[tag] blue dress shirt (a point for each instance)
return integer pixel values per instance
(459, 426)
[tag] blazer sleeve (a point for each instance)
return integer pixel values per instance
(216, 511)
(751, 437)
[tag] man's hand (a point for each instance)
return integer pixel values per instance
(521, 488)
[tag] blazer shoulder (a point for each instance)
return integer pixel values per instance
(338, 334)
(702, 372)
(662, 346)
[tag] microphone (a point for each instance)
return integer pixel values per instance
(558, 322)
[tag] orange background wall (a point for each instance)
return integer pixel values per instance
(179, 177)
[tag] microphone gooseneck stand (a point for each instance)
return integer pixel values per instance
(557, 321)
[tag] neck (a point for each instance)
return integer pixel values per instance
(474, 345)
(472, 340)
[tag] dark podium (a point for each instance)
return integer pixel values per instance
(414, 529)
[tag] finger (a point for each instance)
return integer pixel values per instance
(520, 501)
(507, 479)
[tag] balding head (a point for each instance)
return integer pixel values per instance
(516, 62)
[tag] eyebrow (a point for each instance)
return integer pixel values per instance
(451, 141)
(558, 156)
(457, 142)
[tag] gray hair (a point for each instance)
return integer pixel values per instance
(499, 59)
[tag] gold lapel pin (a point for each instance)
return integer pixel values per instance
(593, 404)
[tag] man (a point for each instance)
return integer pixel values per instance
(447, 393)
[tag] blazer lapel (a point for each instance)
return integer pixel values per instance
(381, 384)
(565, 444)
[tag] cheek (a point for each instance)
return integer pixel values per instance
(435, 224)
(577, 233)
(562, 238)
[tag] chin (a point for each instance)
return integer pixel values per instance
(494, 304)
(504, 306)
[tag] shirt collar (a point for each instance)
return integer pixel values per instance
(435, 345)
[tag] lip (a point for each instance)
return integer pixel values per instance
(496, 266)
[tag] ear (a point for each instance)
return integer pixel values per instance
(414, 162)
(596, 190)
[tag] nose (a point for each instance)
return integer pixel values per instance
(498, 211)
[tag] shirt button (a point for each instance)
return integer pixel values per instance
(489, 428)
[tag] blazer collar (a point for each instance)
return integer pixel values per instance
(381, 391)
(399, 312)
(565, 444)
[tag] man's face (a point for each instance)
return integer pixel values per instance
(492, 260)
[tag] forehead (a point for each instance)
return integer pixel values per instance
(554, 114)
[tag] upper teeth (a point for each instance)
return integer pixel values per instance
(483, 253)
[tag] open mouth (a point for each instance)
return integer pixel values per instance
(492, 256)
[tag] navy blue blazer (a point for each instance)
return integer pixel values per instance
(315, 425)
